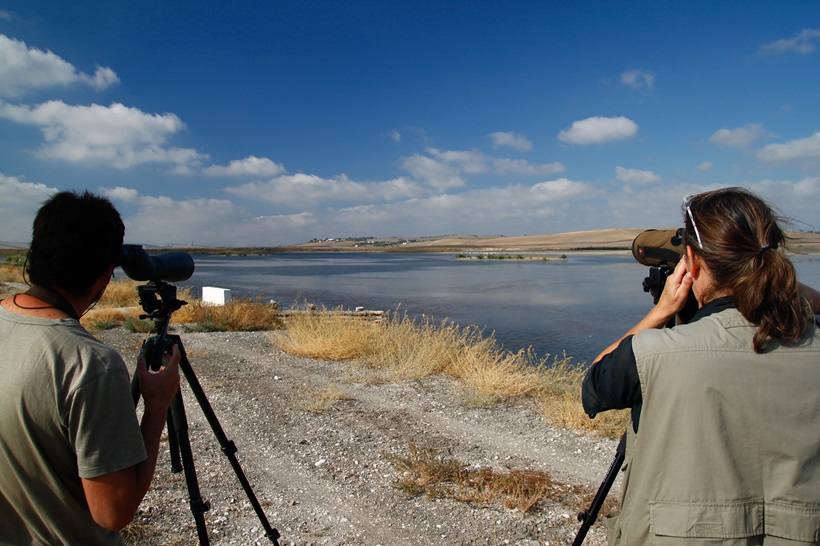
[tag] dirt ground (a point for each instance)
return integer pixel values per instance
(323, 478)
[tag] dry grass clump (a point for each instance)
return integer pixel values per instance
(425, 471)
(136, 533)
(405, 349)
(11, 271)
(240, 314)
(490, 370)
(107, 318)
(316, 399)
(120, 293)
(399, 348)
(326, 335)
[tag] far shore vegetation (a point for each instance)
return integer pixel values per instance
(391, 348)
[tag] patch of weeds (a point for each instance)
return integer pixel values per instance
(103, 325)
(425, 471)
(240, 315)
(206, 326)
(136, 533)
(318, 399)
(139, 326)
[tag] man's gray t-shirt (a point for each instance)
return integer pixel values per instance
(66, 413)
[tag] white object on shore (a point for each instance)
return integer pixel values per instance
(216, 296)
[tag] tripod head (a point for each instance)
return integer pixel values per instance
(159, 310)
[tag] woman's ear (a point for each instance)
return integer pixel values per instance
(693, 264)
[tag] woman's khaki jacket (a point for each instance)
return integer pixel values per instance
(728, 449)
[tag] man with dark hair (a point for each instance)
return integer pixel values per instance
(74, 461)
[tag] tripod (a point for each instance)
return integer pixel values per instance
(179, 443)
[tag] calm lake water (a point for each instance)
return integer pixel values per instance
(580, 305)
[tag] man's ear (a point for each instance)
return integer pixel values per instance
(103, 280)
(106, 275)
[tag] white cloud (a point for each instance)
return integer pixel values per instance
(437, 174)
(127, 195)
(465, 161)
(794, 150)
(635, 176)
(19, 202)
(597, 130)
(802, 43)
(443, 169)
(511, 140)
(251, 165)
(513, 209)
(562, 188)
(163, 220)
(520, 166)
(24, 69)
(116, 135)
(739, 137)
(306, 190)
(705, 166)
(795, 199)
(638, 78)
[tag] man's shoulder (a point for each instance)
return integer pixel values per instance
(66, 340)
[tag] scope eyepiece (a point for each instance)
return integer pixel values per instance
(173, 266)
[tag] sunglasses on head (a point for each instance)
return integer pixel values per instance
(686, 201)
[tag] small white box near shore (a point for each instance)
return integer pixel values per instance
(216, 296)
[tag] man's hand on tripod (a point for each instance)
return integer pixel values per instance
(159, 388)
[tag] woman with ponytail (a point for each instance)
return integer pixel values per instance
(724, 446)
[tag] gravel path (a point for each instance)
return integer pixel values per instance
(323, 478)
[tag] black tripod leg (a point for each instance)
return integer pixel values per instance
(173, 444)
(198, 506)
(228, 447)
(588, 516)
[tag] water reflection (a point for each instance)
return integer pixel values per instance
(579, 305)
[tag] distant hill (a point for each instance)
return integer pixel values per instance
(598, 239)
(602, 239)
(13, 246)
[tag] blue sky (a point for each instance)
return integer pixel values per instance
(276, 122)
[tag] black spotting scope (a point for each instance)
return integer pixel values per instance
(173, 266)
